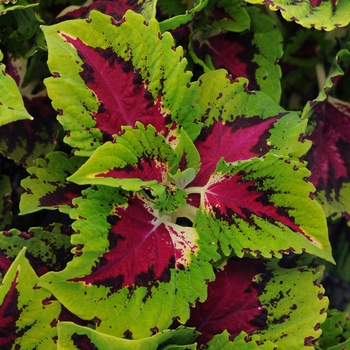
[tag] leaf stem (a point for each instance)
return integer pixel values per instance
(321, 75)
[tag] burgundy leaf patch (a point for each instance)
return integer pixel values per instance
(9, 314)
(233, 52)
(142, 248)
(123, 97)
(241, 139)
(328, 158)
(232, 304)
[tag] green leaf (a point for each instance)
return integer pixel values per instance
(298, 308)
(133, 271)
(258, 207)
(27, 313)
(181, 19)
(319, 14)
(47, 187)
(6, 6)
(11, 102)
(146, 82)
(72, 336)
(335, 331)
(222, 341)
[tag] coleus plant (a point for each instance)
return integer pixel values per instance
(183, 180)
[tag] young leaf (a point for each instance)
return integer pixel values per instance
(11, 102)
(258, 206)
(252, 54)
(71, 336)
(113, 75)
(47, 187)
(319, 14)
(133, 271)
(285, 306)
(27, 313)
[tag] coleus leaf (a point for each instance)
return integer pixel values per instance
(319, 14)
(11, 102)
(47, 248)
(5, 202)
(47, 187)
(224, 341)
(142, 270)
(72, 336)
(102, 86)
(6, 6)
(335, 331)
(141, 158)
(256, 296)
(258, 207)
(27, 313)
(181, 19)
(252, 54)
(114, 8)
(328, 124)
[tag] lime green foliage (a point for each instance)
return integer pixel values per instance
(11, 102)
(67, 331)
(319, 14)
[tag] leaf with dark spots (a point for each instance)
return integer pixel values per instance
(47, 187)
(25, 316)
(131, 256)
(254, 201)
(320, 14)
(250, 54)
(233, 303)
(86, 338)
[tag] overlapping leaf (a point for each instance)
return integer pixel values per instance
(328, 129)
(284, 306)
(252, 54)
(27, 315)
(71, 336)
(133, 271)
(319, 14)
(47, 187)
(114, 75)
